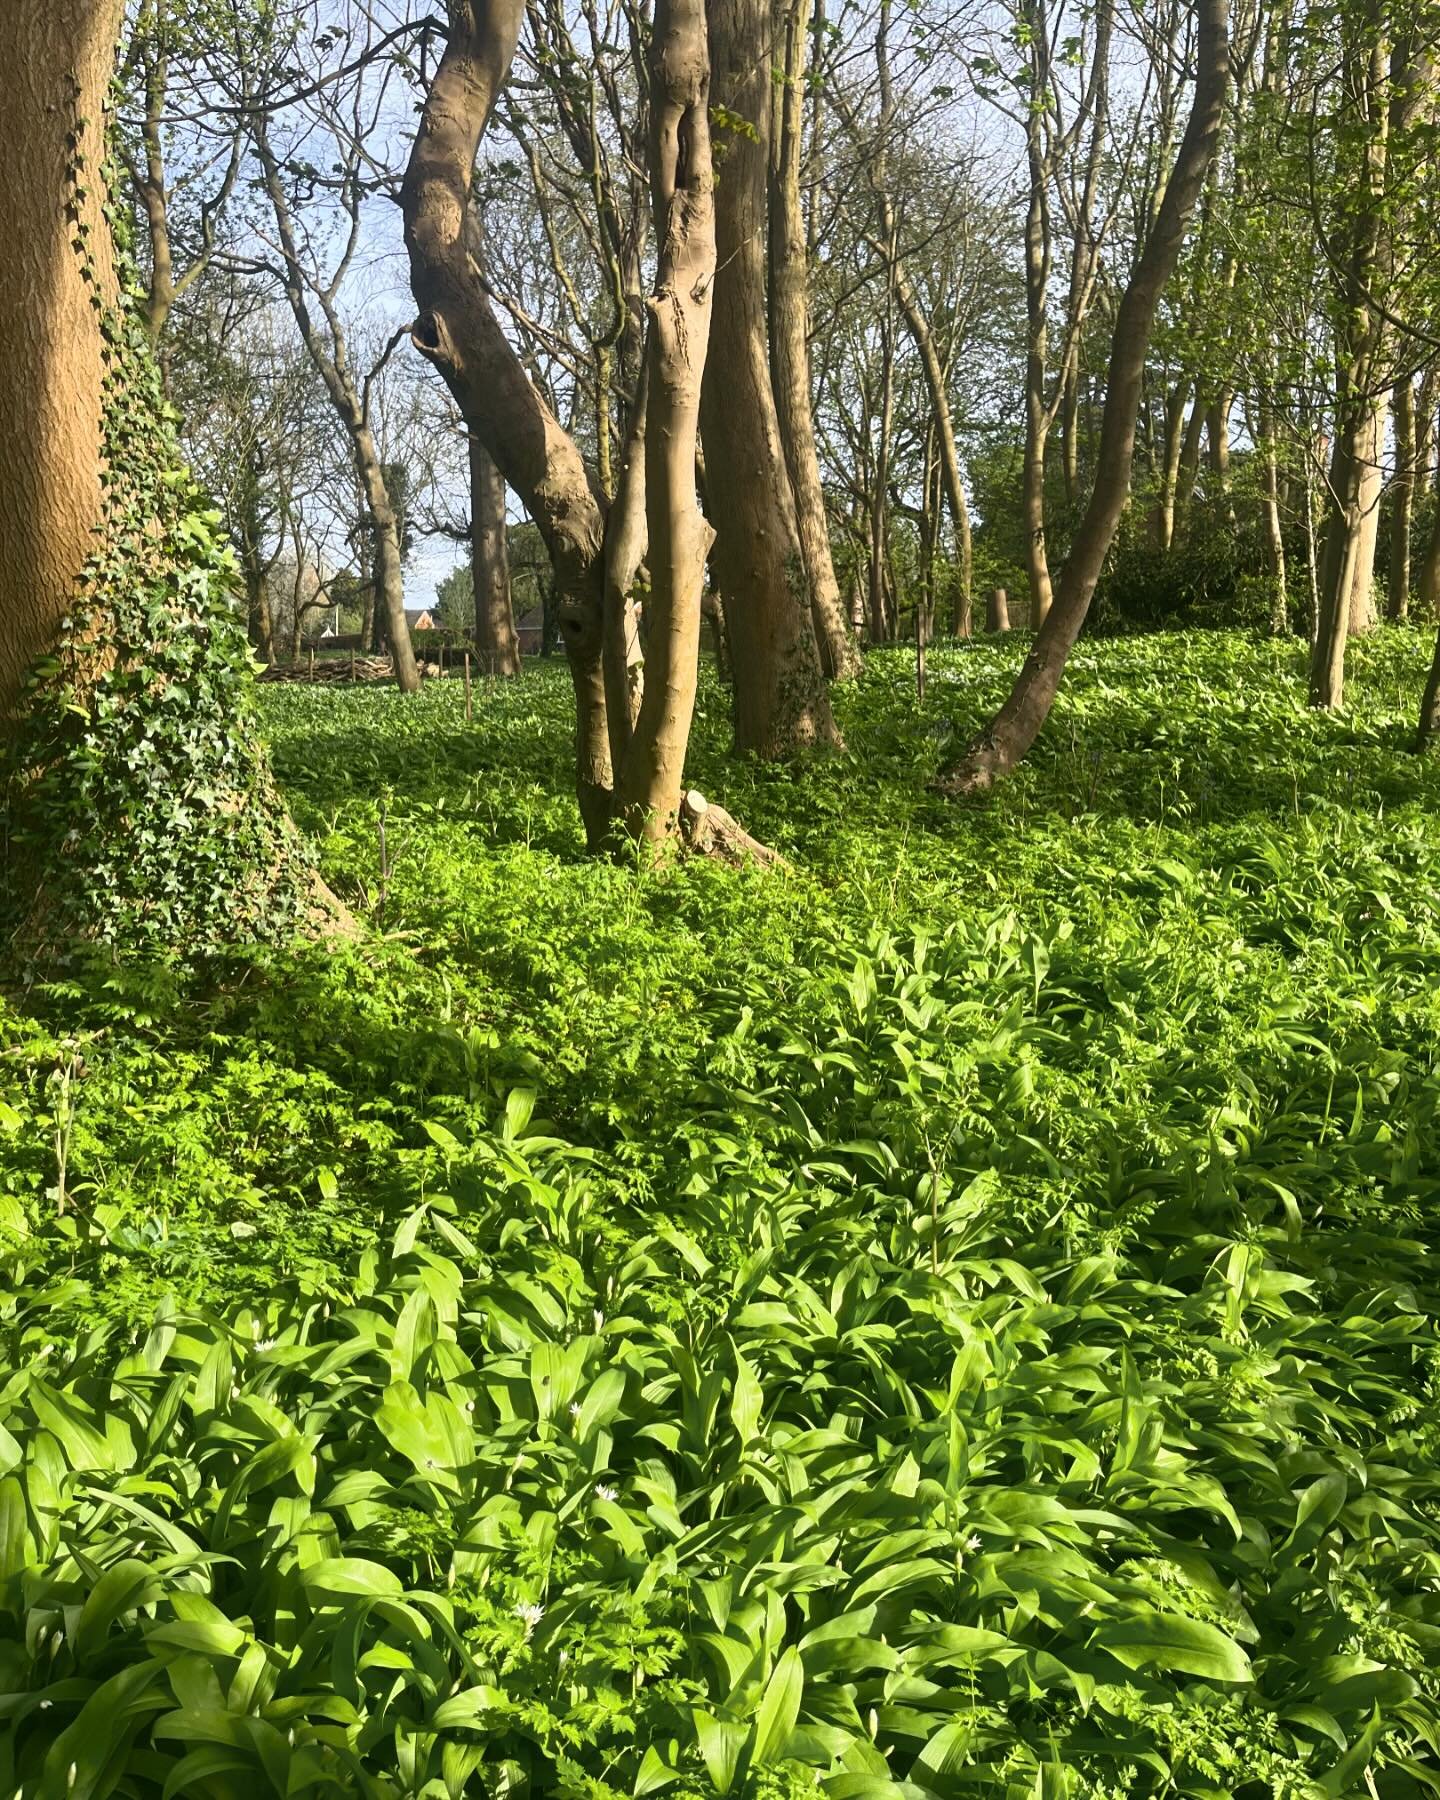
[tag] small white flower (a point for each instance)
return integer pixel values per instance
(264, 1344)
(574, 1409)
(602, 1492)
(972, 1543)
(530, 1613)
(599, 1318)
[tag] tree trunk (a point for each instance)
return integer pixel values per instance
(459, 333)
(59, 55)
(650, 782)
(1429, 722)
(1352, 523)
(1270, 511)
(1015, 727)
(789, 346)
(496, 645)
(1164, 519)
(626, 537)
(1363, 614)
(1037, 416)
(196, 850)
(781, 702)
(1402, 492)
(1427, 593)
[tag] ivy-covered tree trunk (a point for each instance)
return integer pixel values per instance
(141, 811)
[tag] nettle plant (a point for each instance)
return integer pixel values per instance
(142, 808)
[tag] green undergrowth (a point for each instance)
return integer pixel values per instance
(955, 1317)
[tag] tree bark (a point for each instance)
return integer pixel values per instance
(1363, 614)
(1427, 593)
(626, 539)
(1402, 494)
(789, 342)
(459, 333)
(650, 781)
(1017, 724)
(1270, 512)
(58, 55)
(496, 645)
(781, 701)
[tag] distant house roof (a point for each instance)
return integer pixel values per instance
(418, 618)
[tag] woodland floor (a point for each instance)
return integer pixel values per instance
(958, 1316)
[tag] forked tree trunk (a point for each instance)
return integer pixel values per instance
(649, 783)
(1015, 727)
(781, 701)
(58, 55)
(496, 643)
(789, 341)
(458, 331)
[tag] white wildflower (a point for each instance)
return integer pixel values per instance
(602, 1492)
(530, 1613)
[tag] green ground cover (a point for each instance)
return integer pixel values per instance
(955, 1317)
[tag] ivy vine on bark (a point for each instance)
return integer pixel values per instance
(143, 815)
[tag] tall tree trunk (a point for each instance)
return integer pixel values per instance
(59, 55)
(789, 342)
(650, 780)
(1015, 727)
(781, 701)
(1270, 513)
(1402, 493)
(1427, 592)
(496, 643)
(458, 331)
(882, 624)
(1037, 293)
(1187, 475)
(1347, 561)
(1169, 472)
(1363, 614)
(626, 537)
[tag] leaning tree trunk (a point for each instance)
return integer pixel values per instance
(458, 331)
(496, 643)
(789, 344)
(781, 700)
(59, 54)
(1015, 727)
